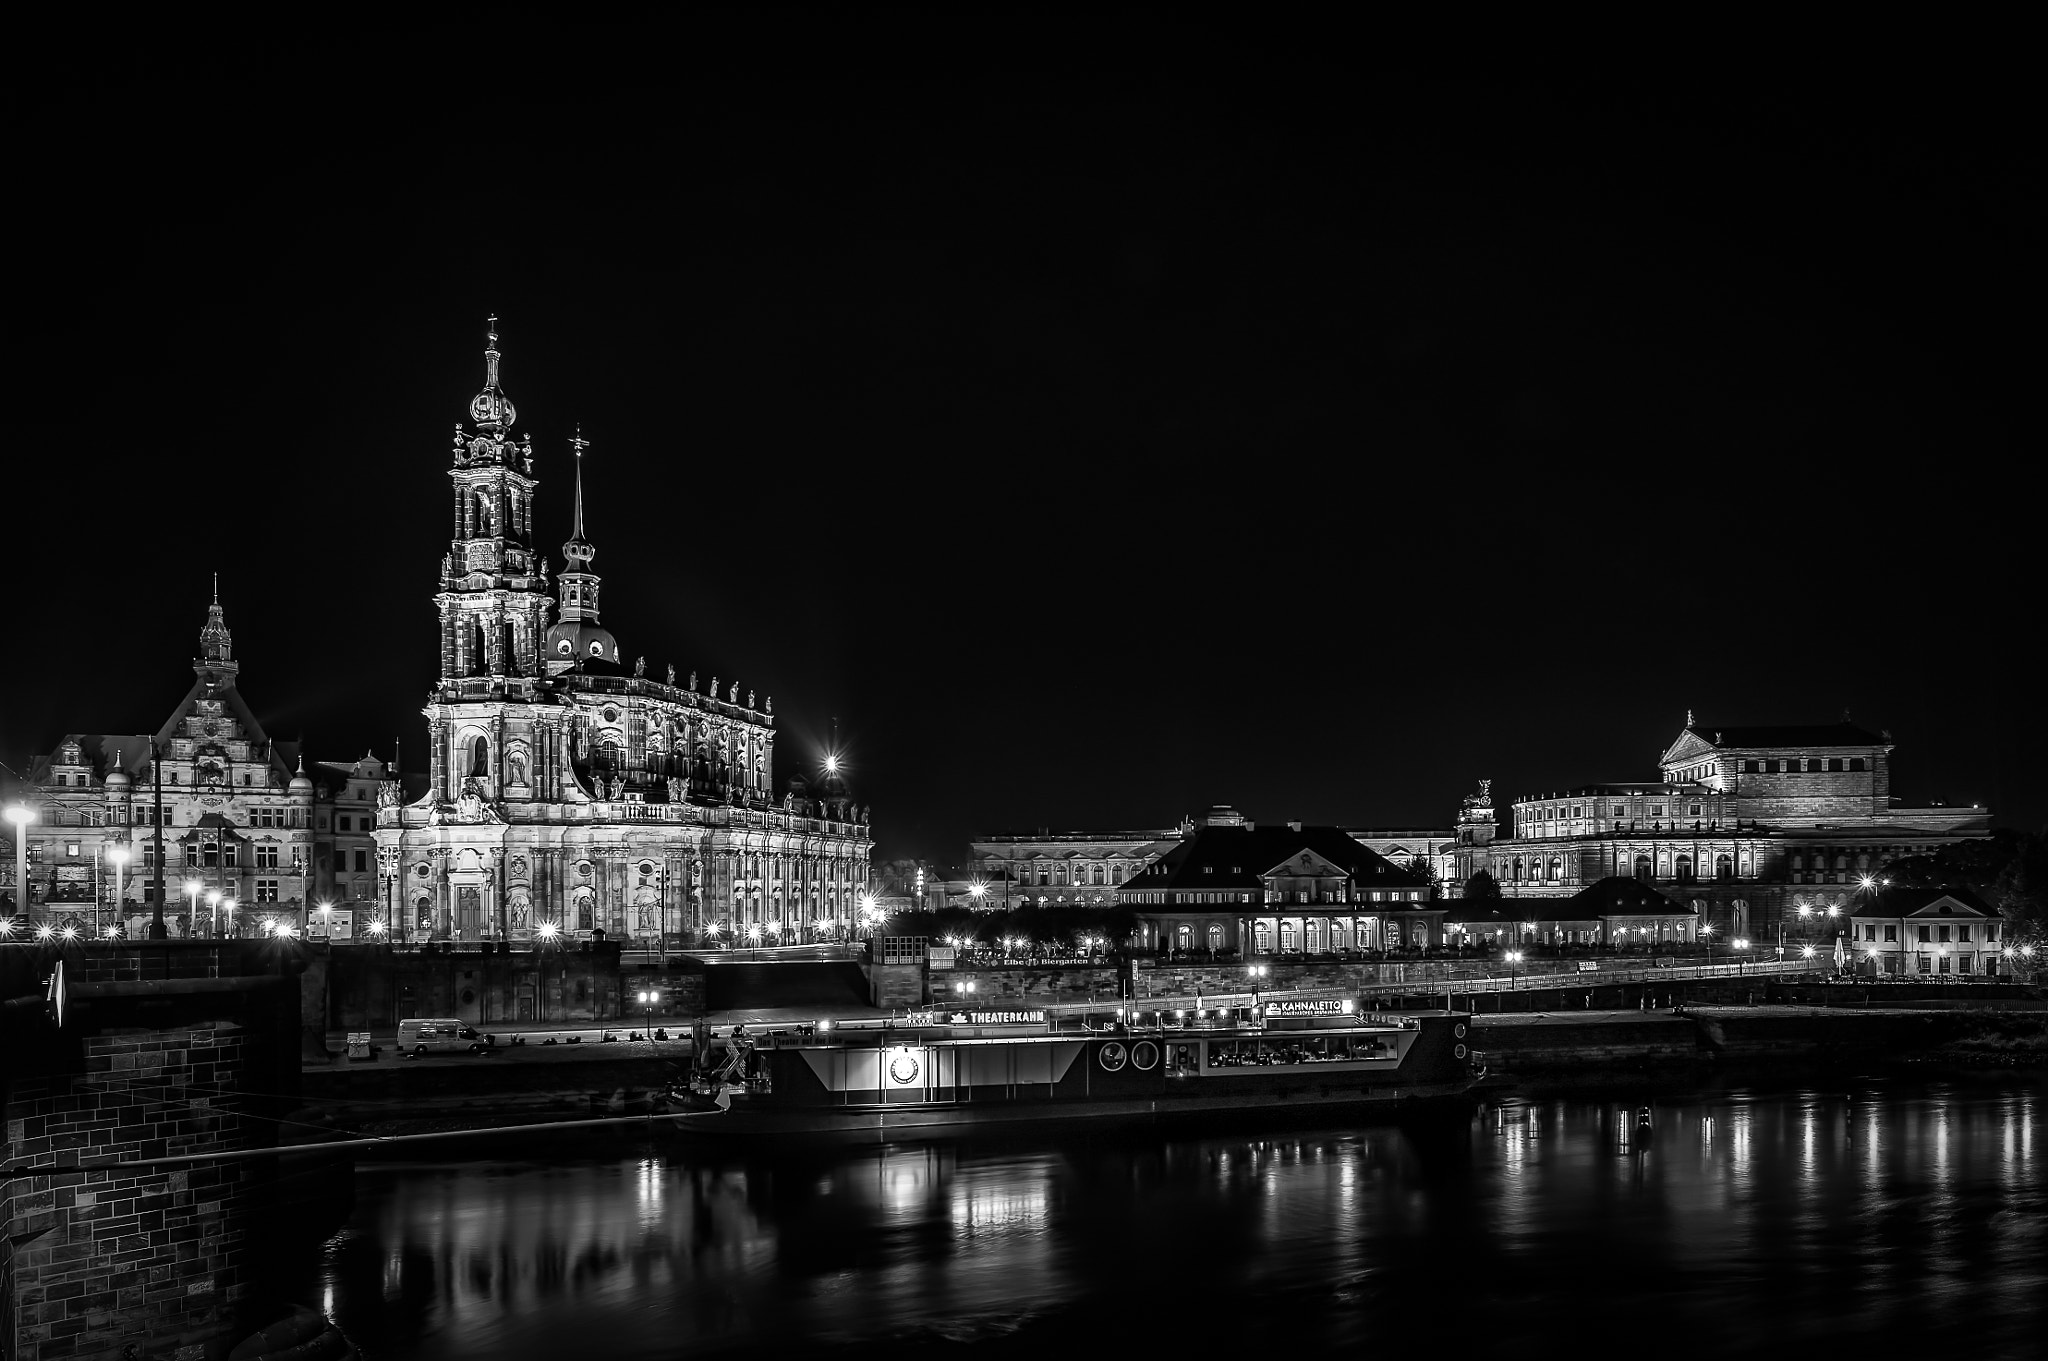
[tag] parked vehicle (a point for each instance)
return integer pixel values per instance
(439, 1035)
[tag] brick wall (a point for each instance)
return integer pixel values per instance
(105, 1259)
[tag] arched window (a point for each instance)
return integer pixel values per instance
(1095, 875)
(1262, 938)
(1556, 869)
(1643, 867)
(1184, 938)
(1724, 867)
(1215, 937)
(480, 757)
(1287, 938)
(1683, 867)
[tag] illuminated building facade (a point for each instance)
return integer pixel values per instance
(570, 792)
(249, 836)
(1758, 828)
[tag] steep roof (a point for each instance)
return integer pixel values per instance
(1620, 896)
(1237, 857)
(1908, 902)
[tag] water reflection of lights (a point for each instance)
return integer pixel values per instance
(986, 1206)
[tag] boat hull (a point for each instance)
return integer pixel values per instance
(922, 1087)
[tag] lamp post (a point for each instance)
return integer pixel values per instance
(21, 815)
(1707, 931)
(1741, 944)
(119, 855)
(213, 907)
(192, 887)
(327, 922)
(1514, 959)
(647, 1000)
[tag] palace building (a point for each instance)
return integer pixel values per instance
(1757, 828)
(249, 837)
(569, 790)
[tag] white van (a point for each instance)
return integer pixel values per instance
(438, 1036)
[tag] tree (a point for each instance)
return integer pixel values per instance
(1482, 887)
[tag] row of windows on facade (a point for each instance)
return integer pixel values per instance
(266, 892)
(1681, 867)
(1274, 895)
(1047, 875)
(1558, 812)
(83, 779)
(265, 857)
(144, 815)
(1934, 935)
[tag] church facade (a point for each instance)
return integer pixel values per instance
(571, 794)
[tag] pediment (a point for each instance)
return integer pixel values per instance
(1946, 906)
(1306, 865)
(1688, 745)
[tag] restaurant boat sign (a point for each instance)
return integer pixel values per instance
(1310, 1006)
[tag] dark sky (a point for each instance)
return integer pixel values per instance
(1094, 449)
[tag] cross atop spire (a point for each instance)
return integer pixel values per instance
(216, 590)
(491, 409)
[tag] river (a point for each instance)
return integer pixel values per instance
(1873, 1217)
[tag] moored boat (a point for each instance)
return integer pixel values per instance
(947, 1075)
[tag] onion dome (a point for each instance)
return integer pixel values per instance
(117, 780)
(301, 786)
(491, 409)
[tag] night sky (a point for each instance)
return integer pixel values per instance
(1093, 449)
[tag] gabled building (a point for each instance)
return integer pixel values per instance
(1238, 887)
(1925, 931)
(237, 816)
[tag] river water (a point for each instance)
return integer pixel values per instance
(1875, 1218)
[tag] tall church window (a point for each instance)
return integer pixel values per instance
(480, 757)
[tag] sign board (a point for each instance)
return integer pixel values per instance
(1589, 966)
(359, 1044)
(1310, 1006)
(942, 956)
(923, 1018)
(998, 1018)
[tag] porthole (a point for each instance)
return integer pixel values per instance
(1458, 1052)
(1460, 1031)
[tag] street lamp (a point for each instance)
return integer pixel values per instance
(1514, 959)
(1740, 943)
(1707, 932)
(647, 999)
(21, 815)
(227, 905)
(213, 905)
(192, 887)
(120, 855)
(327, 921)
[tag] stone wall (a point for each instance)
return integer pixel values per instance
(376, 986)
(1077, 984)
(896, 987)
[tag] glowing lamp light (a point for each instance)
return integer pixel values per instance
(831, 765)
(1807, 951)
(70, 933)
(7, 929)
(548, 930)
(824, 1025)
(378, 928)
(45, 931)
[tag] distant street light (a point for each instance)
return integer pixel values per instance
(120, 856)
(1514, 959)
(21, 815)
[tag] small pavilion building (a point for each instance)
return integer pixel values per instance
(1925, 931)
(1619, 911)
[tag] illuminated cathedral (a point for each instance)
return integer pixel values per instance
(571, 793)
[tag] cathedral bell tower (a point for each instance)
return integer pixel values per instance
(493, 598)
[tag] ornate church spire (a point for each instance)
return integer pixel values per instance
(576, 638)
(579, 550)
